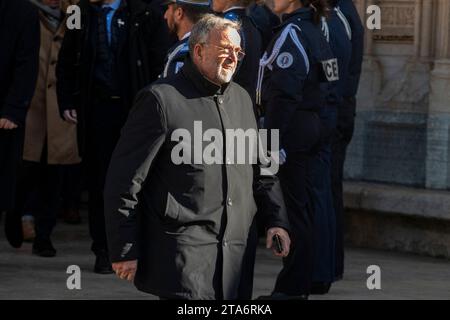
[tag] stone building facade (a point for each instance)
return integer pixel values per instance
(402, 133)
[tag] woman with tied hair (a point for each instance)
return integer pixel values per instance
(297, 73)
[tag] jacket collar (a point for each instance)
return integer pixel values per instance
(301, 14)
(116, 6)
(135, 7)
(205, 87)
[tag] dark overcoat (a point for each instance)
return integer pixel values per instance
(140, 60)
(186, 223)
(19, 60)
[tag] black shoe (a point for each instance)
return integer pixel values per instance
(103, 264)
(43, 248)
(283, 296)
(13, 228)
(72, 216)
(320, 287)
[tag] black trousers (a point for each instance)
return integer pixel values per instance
(296, 181)
(105, 121)
(345, 129)
(324, 216)
(39, 190)
(11, 148)
(71, 186)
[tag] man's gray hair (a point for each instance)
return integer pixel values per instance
(202, 29)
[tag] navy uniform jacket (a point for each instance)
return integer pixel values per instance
(175, 58)
(251, 43)
(349, 10)
(338, 33)
(298, 65)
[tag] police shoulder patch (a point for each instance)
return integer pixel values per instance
(178, 66)
(285, 60)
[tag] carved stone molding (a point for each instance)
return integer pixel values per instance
(398, 19)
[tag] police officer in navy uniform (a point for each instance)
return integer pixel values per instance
(297, 68)
(346, 123)
(181, 15)
(337, 31)
(246, 76)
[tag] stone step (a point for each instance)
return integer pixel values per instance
(398, 218)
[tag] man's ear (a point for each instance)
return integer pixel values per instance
(198, 51)
(179, 13)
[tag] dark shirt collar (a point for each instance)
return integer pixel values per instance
(98, 5)
(114, 5)
(206, 87)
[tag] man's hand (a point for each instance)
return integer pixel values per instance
(125, 270)
(7, 124)
(71, 116)
(285, 241)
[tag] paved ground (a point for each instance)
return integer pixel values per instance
(24, 276)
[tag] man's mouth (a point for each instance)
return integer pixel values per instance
(228, 67)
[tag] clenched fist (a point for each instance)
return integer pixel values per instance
(125, 270)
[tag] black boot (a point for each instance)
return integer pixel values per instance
(13, 228)
(320, 287)
(43, 248)
(102, 263)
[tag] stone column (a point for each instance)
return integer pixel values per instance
(438, 126)
(426, 36)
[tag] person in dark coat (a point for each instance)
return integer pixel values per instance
(346, 124)
(177, 222)
(296, 71)
(181, 15)
(19, 60)
(119, 50)
(338, 35)
(246, 76)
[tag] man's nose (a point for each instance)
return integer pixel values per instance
(233, 56)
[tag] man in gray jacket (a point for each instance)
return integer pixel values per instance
(177, 222)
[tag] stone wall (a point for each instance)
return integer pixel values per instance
(403, 116)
